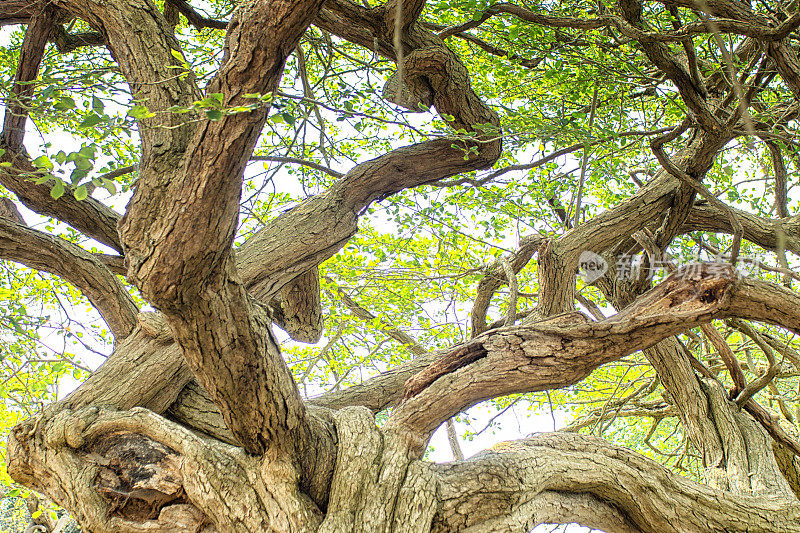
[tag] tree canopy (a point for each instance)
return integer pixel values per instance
(276, 244)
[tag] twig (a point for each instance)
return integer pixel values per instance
(336, 337)
(452, 438)
(511, 315)
(657, 146)
(398, 335)
(304, 162)
(546, 159)
(584, 163)
(196, 19)
(766, 378)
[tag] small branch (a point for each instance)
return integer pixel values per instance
(590, 306)
(511, 315)
(325, 349)
(765, 379)
(781, 211)
(551, 157)
(69, 261)
(196, 19)
(452, 438)
(772, 426)
(30, 57)
(496, 278)
(400, 336)
(727, 356)
(688, 48)
(309, 94)
(67, 42)
(117, 172)
(748, 28)
(584, 163)
(657, 146)
(304, 162)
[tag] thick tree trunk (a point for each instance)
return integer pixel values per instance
(133, 470)
(195, 422)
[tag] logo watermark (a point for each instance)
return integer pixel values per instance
(592, 266)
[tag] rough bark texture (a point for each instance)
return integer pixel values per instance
(195, 422)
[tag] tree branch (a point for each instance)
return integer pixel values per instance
(69, 261)
(88, 216)
(563, 350)
(196, 19)
(781, 211)
(303, 162)
(756, 229)
(30, 57)
(495, 491)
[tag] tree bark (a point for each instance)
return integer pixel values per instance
(195, 422)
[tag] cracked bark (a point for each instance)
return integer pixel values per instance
(246, 453)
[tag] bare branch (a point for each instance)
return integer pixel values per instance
(756, 229)
(196, 19)
(781, 211)
(657, 146)
(30, 56)
(766, 378)
(400, 336)
(303, 162)
(727, 355)
(513, 288)
(584, 162)
(44, 252)
(496, 279)
(67, 42)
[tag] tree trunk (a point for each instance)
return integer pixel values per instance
(195, 422)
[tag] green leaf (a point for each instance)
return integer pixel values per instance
(97, 104)
(139, 112)
(213, 114)
(81, 192)
(58, 189)
(110, 186)
(179, 56)
(88, 150)
(92, 119)
(64, 104)
(43, 162)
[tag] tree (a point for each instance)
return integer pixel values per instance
(638, 116)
